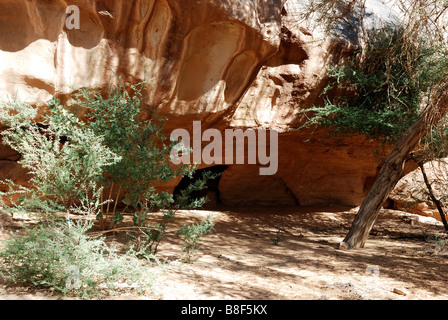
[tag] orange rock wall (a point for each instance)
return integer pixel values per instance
(229, 64)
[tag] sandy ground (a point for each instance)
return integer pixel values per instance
(290, 253)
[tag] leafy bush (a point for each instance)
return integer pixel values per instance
(380, 92)
(134, 132)
(104, 140)
(65, 159)
(68, 260)
(192, 234)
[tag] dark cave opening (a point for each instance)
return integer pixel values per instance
(211, 190)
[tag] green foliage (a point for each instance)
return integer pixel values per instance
(186, 198)
(148, 238)
(66, 259)
(28, 201)
(134, 132)
(192, 234)
(64, 157)
(73, 155)
(380, 92)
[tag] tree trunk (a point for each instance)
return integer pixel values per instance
(392, 171)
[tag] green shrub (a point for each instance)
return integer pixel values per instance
(104, 140)
(134, 132)
(68, 260)
(192, 235)
(65, 158)
(381, 91)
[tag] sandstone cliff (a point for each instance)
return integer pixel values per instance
(227, 63)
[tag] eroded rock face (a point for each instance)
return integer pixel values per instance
(411, 194)
(229, 64)
(193, 53)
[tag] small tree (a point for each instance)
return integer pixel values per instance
(65, 159)
(135, 132)
(419, 57)
(380, 91)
